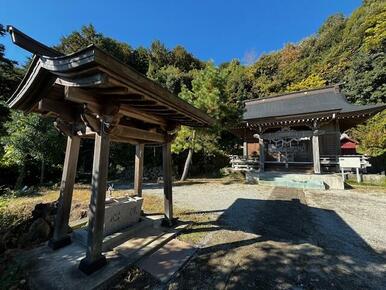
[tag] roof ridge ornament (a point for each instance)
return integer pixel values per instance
(28, 43)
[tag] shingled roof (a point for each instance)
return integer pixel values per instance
(328, 100)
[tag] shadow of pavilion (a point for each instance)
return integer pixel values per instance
(281, 243)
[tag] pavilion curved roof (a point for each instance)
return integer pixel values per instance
(100, 79)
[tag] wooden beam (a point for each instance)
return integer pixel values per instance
(78, 95)
(139, 103)
(127, 111)
(83, 96)
(60, 237)
(67, 112)
(138, 171)
(167, 178)
(30, 44)
(96, 213)
(137, 134)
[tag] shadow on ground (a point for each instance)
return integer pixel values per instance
(281, 243)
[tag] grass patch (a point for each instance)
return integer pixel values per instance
(364, 185)
(14, 210)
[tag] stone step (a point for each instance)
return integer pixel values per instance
(306, 184)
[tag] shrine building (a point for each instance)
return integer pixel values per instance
(300, 131)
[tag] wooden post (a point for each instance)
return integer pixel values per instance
(94, 259)
(167, 177)
(261, 155)
(245, 150)
(316, 154)
(138, 172)
(359, 175)
(60, 237)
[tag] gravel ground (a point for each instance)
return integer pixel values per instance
(275, 238)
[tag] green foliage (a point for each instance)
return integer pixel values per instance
(365, 80)
(30, 138)
(313, 81)
(10, 76)
(137, 58)
(372, 135)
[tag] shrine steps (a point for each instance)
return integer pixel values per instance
(290, 183)
(296, 180)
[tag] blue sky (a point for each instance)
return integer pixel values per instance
(213, 29)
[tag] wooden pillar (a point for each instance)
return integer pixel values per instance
(261, 154)
(60, 237)
(316, 154)
(167, 177)
(337, 128)
(138, 172)
(245, 150)
(96, 213)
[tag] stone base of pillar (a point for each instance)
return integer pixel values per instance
(57, 244)
(88, 267)
(169, 223)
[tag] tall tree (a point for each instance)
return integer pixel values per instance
(10, 76)
(207, 94)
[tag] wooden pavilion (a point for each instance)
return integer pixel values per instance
(301, 129)
(93, 95)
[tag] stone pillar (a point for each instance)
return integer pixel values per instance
(315, 153)
(138, 172)
(261, 155)
(60, 237)
(245, 150)
(167, 177)
(94, 259)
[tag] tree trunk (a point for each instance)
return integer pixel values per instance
(188, 159)
(187, 165)
(42, 171)
(20, 178)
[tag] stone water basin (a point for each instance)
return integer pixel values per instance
(121, 213)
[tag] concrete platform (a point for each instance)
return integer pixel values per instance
(166, 261)
(296, 180)
(48, 269)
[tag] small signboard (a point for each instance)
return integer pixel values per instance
(350, 162)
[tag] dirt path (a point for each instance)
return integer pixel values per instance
(276, 240)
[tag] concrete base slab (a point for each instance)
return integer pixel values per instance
(296, 180)
(49, 269)
(166, 261)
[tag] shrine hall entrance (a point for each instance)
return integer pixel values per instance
(288, 149)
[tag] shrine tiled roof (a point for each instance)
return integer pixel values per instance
(329, 99)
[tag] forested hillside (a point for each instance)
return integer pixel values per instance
(349, 51)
